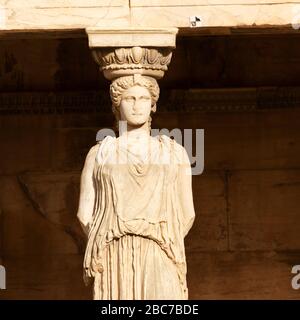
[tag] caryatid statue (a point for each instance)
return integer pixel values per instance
(136, 203)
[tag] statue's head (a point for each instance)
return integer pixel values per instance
(134, 99)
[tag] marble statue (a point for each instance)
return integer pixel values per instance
(136, 203)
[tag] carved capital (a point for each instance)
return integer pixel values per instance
(120, 62)
(132, 51)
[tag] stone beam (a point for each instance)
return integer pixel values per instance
(20, 15)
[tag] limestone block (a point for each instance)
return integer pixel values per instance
(266, 139)
(39, 216)
(24, 148)
(233, 61)
(44, 277)
(264, 210)
(47, 15)
(55, 18)
(241, 275)
(131, 37)
(209, 231)
(61, 4)
(183, 3)
(219, 15)
(70, 147)
(53, 196)
(27, 69)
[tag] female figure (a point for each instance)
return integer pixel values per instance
(136, 203)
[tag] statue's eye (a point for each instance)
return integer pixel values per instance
(129, 99)
(145, 98)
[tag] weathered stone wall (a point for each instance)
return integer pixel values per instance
(246, 234)
(198, 62)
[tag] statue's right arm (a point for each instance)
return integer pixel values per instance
(87, 191)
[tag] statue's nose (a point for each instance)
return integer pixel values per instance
(135, 106)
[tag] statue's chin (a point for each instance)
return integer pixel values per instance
(136, 124)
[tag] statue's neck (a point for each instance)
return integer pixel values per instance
(136, 132)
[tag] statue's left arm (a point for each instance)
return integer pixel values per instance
(87, 191)
(185, 191)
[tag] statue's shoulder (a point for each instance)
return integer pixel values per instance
(171, 141)
(100, 143)
(165, 139)
(102, 148)
(94, 150)
(176, 148)
(92, 153)
(181, 153)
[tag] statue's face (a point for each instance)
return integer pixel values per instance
(135, 106)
